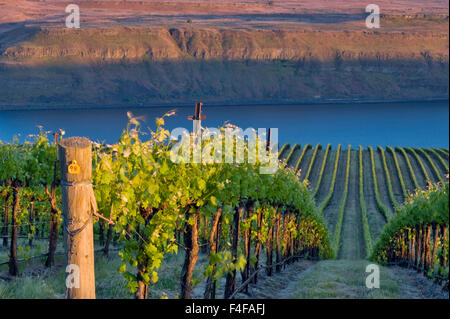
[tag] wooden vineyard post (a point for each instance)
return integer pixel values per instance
(191, 257)
(230, 283)
(277, 241)
(444, 236)
(248, 242)
(435, 244)
(54, 215)
(214, 241)
(31, 220)
(6, 217)
(13, 264)
(78, 205)
(413, 247)
(258, 244)
(197, 122)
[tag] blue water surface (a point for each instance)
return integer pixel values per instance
(407, 124)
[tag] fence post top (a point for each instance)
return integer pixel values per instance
(75, 156)
(75, 142)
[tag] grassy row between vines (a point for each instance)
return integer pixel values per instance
(313, 158)
(297, 166)
(337, 232)
(408, 163)
(399, 172)
(443, 152)
(394, 202)
(327, 199)
(322, 169)
(430, 160)
(419, 160)
(285, 146)
(291, 153)
(439, 158)
(383, 209)
(362, 203)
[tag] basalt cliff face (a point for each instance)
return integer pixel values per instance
(137, 44)
(138, 66)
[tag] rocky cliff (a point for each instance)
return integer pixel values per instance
(137, 44)
(124, 66)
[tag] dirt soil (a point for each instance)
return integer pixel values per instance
(416, 286)
(314, 175)
(342, 279)
(375, 218)
(331, 212)
(417, 171)
(346, 279)
(285, 153)
(441, 168)
(280, 285)
(306, 162)
(409, 183)
(294, 158)
(434, 178)
(324, 186)
(382, 182)
(352, 237)
(395, 179)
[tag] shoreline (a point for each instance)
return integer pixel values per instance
(225, 103)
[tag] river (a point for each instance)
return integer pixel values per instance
(413, 124)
